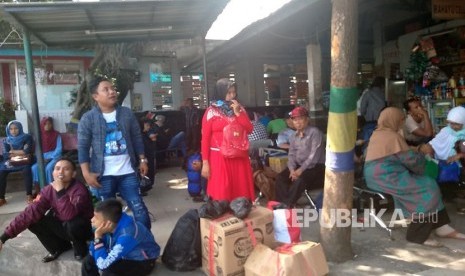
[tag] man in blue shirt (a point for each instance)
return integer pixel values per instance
(121, 246)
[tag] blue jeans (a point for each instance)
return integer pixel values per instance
(128, 187)
(367, 131)
(178, 142)
(49, 167)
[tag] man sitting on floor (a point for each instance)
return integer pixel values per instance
(59, 216)
(305, 167)
(121, 246)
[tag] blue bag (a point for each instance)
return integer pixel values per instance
(448, 172)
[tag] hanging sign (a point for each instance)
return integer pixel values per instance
(448, 9)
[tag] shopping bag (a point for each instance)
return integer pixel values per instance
(448, 172)
(285, 223)
(431, 168)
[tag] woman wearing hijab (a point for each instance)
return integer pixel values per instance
(393, 168)
(51, 148)
(228, 178)
(17, 143)
(443, 143)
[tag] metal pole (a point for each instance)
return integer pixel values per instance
(205, 78)
(31, 85)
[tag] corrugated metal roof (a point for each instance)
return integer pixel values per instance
(88, 23)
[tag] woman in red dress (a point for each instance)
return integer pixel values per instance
(228, 178)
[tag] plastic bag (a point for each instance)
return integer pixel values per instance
(241, 207)
(285, 227)
(145, 184)
(213, 209)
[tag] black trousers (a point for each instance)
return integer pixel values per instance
(119, 268)
(27, 179)
(56, 235)
(419, 231)
(289, 192)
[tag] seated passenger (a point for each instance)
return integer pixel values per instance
(276, 125)
(16, 144)
(51, 148)
(166, 139)
(121, 246)
(443, 144)
(284, 137)
(149, 138)
(418, 128)
(393, 168)
(258, 138)
(59, 216)
(306, 163)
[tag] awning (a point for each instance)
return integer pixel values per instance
(74, 24)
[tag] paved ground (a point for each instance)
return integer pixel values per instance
(375, 253)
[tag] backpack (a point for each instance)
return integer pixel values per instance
(235, 142)
(183, 250)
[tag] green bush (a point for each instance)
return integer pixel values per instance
(7, 113)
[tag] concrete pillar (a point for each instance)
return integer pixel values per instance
(176, 84)
(284, 86)
(249, 80)
(314, 78)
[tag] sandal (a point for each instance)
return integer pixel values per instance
(433, 243)
(453, 235)
(2, 201)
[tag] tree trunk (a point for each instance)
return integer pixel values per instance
(342, 126)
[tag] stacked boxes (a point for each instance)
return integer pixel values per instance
(228, 241)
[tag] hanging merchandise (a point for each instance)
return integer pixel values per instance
(418, 63)
(427, 46)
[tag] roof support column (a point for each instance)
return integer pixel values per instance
(314, 78)
(249, 80)
(31, 87)
(205, 78)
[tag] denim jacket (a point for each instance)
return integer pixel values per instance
(92, 132)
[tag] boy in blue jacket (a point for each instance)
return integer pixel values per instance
(121, 246)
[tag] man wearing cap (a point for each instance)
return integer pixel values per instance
(305, 167)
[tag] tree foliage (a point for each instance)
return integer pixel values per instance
(111, 61)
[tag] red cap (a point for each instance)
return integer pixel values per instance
(298, 112)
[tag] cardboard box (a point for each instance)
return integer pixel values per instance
(304, 258)
(229, 239)
(278, 163)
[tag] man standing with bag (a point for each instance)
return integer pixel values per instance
(110, 148)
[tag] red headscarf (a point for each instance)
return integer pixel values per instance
(49, 138)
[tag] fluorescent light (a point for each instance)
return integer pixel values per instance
(124, 31)
(238, 14)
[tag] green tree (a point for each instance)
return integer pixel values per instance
(110, 61)
(7, 113)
